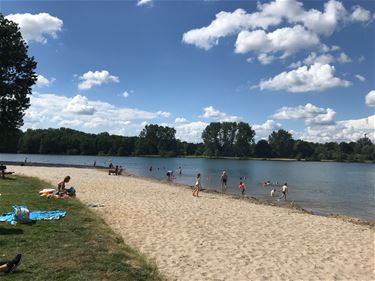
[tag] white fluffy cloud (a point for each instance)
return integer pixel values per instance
(211, 112)
(317, 77)
(343, 58)
(272, 14)
(227, 23)
(311, 114)
(43, 81)
(322, 59)
(264, 130)
(360, 14)
(265, 59)
(347, 130)
(190, 132)
(370, 98)
(50, 110)
(36, 27)
(80, 105)
(287, 40)
(125, 94)
(90, 79)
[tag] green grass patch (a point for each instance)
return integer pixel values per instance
(80, 246)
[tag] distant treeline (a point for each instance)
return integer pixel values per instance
(226, 139)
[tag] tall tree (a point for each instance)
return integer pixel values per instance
(16, 76)
(244, 139)
(157, 140)
(281, 143)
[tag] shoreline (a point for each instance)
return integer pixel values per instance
(286, 205)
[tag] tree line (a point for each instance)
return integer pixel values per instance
(225, 139)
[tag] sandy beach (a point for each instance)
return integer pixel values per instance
(216, 237)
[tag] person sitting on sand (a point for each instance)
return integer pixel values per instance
(198, 185)
(10, 266)
(62, 192)
(242, 187)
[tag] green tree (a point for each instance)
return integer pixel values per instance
(16, 76)
(157, 140)
(303, 149)
(210, 136)
(244, 139)
(262, 149)
(281, 143)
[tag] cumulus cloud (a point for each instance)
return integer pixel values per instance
(79, 104)
(227, 23)
(311, 114)
(317, 77)
(190, 132)
(346, 130)
(322, 59)
(211, 112)
(287, 40)
(50, 110)
(37, 27)
(90, 79)
(265, 59)
(262, 131)
(272, 14)
(43, 81)
(370, 98)
(343, 58)
(360, 14)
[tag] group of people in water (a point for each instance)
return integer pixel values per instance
(241, 186)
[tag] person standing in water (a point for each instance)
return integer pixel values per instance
(242, 187)
(180, 170)
(198, 185)
(224, 179)
(284, 191)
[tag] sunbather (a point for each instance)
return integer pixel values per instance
(10, 266)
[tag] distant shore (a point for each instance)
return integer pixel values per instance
(214, 158)
(217, 237)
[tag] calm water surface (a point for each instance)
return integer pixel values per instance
(321, 187)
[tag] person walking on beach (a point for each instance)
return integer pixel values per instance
(242, 187)
(284, 191)
(224, 179)
(198, 185)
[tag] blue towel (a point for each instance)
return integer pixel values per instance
(36, 215)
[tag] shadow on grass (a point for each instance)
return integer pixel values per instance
(10, 231)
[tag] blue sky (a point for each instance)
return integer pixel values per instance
(304, 66)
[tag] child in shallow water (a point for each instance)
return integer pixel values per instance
(242, 187)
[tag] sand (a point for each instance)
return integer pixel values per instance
(215, 237)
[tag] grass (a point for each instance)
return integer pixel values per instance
(78, 247)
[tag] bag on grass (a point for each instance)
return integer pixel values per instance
(21, 214)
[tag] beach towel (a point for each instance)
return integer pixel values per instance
(32, 216)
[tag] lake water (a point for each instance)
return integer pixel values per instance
(320, 187)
